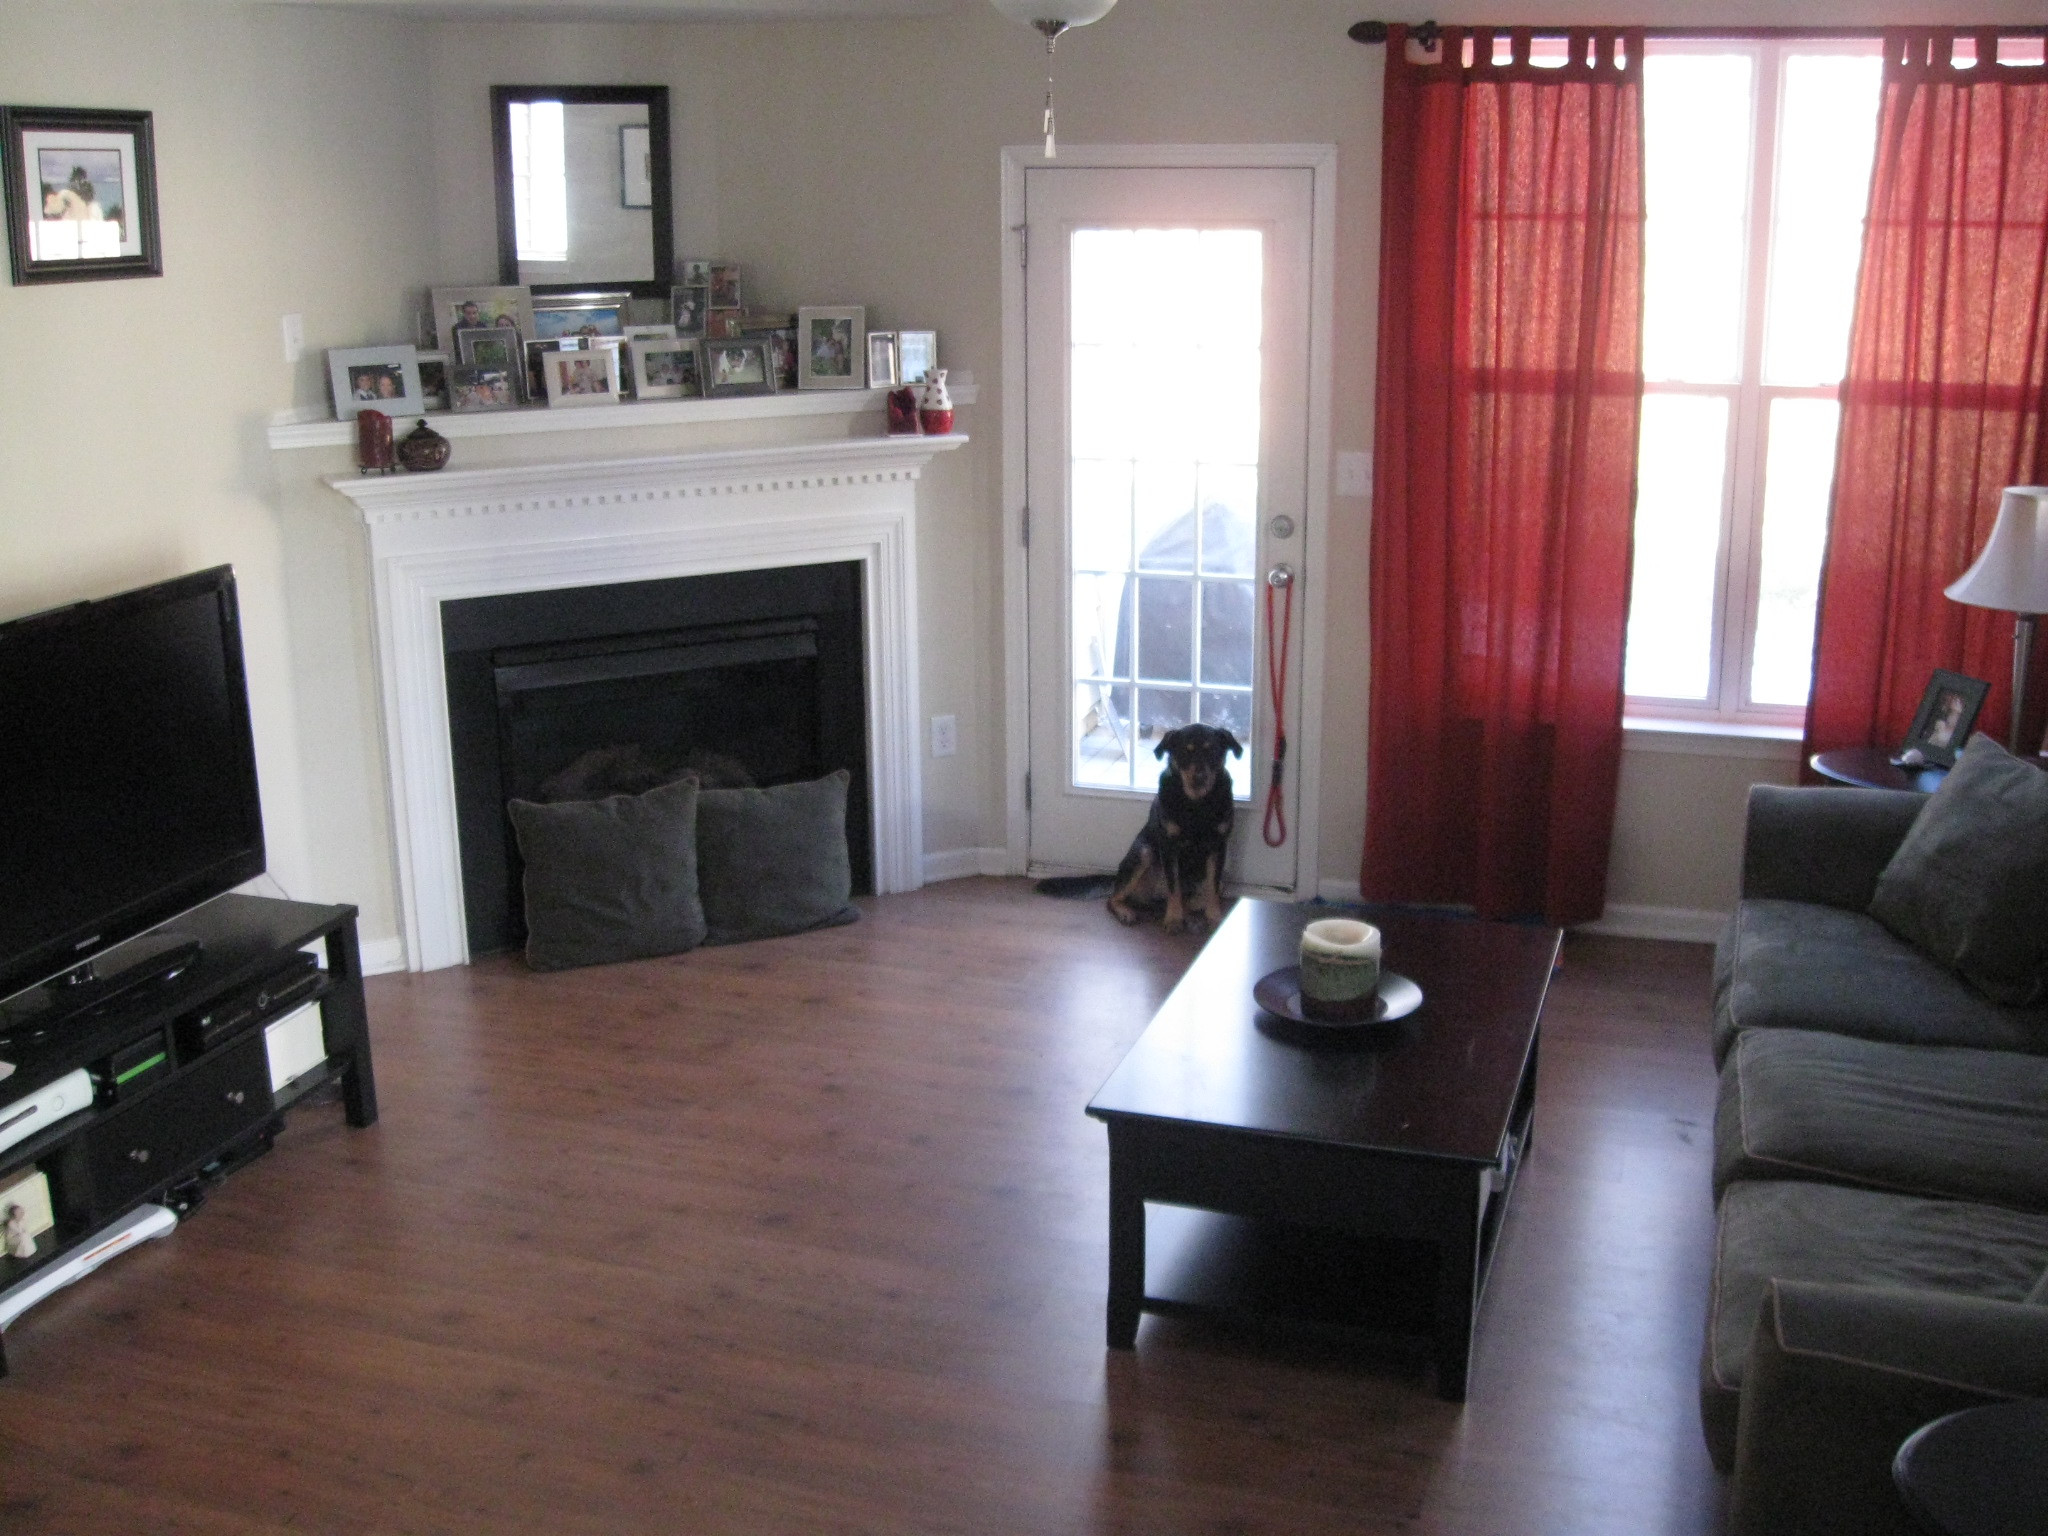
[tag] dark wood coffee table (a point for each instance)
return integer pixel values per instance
(1359, 1185)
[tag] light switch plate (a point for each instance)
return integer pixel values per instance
(945, 735)
(1354, 474)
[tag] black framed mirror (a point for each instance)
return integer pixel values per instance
(583, 187)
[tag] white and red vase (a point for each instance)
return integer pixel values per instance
(935, 406)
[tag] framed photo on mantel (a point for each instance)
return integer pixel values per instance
(81, 194)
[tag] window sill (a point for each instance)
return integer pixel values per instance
(1711, 738)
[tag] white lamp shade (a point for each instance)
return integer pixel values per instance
(2012, 573)
(1072, 13)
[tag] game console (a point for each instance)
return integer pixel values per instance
(138, 1226)
(46, 1106)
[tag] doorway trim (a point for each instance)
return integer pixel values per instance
(1304, 745)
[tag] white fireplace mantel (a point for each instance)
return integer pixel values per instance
(591, 522)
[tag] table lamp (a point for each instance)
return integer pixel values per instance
(2012, 574)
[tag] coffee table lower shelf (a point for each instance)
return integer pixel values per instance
(1384, 1282)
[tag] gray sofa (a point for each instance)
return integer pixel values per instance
(1881, 1178)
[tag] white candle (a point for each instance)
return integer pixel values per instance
(1341, 938)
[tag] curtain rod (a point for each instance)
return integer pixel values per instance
(1427, 33)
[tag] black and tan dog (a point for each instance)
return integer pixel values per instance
(1177, 857)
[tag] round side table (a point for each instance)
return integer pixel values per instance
(1980, 1472)
(1871, 768)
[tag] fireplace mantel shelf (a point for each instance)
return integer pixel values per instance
(292, 430)
(598, 482)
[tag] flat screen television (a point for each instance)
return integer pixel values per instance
(127, 781)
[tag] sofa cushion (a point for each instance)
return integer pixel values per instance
(1969, 883)
(611, 879)
(1796, 1104)
(1798, 965)
(774, 861)
(1780, 1230)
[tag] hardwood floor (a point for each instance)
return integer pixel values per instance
(809, 1236)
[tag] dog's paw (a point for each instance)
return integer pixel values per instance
(1175, 924)
(1123, 915)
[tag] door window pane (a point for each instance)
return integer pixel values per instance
(1680, 463)
(1826, 137)
(1164, 376)
(1696, 163)
(1799, 474)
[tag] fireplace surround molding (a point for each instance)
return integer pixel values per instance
(592, 522)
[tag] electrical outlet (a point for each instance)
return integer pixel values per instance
(945, 735)
(294, 327)
(1354, 474)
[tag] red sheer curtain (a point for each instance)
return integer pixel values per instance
(1510, 385)
(1942, 405)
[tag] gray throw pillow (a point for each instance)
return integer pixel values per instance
(611, 879)
(773, 861)
(1969, 884)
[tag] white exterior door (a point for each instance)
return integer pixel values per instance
(1167, 343)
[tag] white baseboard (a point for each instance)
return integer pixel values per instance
(1687, 925)
(382, 956)
(959, 863)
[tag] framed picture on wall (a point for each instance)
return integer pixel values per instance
(1947, 715)
(81, 193)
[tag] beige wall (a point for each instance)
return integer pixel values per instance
(131, 445)
(336, 162)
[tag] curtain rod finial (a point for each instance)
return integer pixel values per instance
(1377, 32)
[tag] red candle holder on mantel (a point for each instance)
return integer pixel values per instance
(373, 443)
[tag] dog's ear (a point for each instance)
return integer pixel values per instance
(1231, 743)
(1170, 740)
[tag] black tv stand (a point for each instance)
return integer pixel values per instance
(32, 1017)
(210, 1105)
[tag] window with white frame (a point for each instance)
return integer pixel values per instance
(1757, 160)
(540, 180)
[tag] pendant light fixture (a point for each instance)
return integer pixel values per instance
(1050, 18)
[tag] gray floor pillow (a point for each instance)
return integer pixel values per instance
(774, 861)
(1969, 883)
(611, 879)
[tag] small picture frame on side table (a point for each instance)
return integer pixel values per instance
(831, 346)
(666, 368)
(723, 278)
(917, 354)
(80, 193)
(587, 376)
(737, 365)
(385, 378)
(694, 271)
(882, 360)
(1947, 715)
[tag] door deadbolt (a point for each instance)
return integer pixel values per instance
(1282, 526)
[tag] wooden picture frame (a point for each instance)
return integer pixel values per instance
(737, 365)
(1947, 715)
(80, 194)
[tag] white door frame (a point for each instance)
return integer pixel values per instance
(1304, 741)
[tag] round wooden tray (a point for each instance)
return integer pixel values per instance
(1279, 993)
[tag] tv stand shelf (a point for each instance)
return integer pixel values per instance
(207, 1109)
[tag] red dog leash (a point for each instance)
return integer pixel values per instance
(1280, 579)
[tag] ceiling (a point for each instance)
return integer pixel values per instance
(636, 10)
